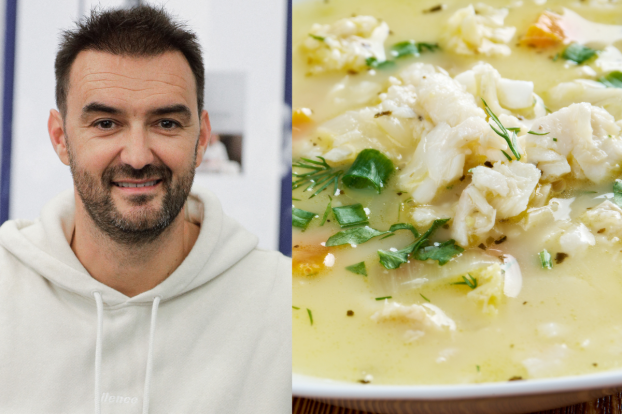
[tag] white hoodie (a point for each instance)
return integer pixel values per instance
(218, 339)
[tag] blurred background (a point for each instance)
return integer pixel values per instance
(246, 47)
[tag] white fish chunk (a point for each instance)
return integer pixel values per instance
(576, 239)
(606, 215)
(478, 29)
(345, 44)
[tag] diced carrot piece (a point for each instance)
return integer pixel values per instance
(301, 116)
(308, 260)
(546, 32)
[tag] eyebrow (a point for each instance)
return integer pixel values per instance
(179, 109)
(97, 107)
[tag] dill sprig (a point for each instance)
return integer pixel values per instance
(503, 132)
(321, 174)
(470, 281)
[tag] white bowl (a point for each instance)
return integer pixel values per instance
(500, 397)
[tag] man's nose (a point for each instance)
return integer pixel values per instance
(137, 151)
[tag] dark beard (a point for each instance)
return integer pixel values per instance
(140, 229)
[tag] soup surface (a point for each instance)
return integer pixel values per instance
(428, 247)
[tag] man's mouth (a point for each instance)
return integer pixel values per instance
(129, 184)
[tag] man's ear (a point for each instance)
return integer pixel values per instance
(57, 135)
(204, 137)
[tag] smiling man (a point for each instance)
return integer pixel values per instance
(132, 294)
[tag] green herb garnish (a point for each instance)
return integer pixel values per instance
(617, 192)
(320, 38)
(387, 236)
(371, 169)
(385, 297)
(428, 300)
(327, 211)
(392, 260)
(310, 316)
(578, 53)
(362, 234)
(514, 129)
(352, 215)
(545, 259)
(295, 307)
(612, 80)
(354, 236)
(503, 132)
(470, 281)
(477, 366)
(301, 218)
(442, 253)
(538, 133)
(555, 139)
(412, 48)
(404, 226)
(358, 268)
(321, 174)
(373, 62)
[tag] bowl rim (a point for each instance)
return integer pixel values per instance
(314, 387)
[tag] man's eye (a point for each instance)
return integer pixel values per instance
(168, 124)
(105, 124)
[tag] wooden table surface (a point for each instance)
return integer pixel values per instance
(607, 405)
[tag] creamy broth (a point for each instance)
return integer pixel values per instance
(564, 320)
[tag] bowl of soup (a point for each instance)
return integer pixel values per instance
(457, 204)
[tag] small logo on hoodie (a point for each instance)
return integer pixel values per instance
(118, 399)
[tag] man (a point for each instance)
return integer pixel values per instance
(131, 294)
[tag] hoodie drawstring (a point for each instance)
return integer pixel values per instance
(98, 352)
(154, 315)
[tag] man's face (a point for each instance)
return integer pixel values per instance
(133, 138)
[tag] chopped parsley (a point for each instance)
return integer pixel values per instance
(578, 53)
(442, 252)
(352, 215)
(617, 192)
(354, 236)
(612, 80)
(301, 218)
(412, 48)
(370, 169)
(320, 38)
(394, 259)
(545, 259)
(358, 269)
(374, 63)
(327, 211)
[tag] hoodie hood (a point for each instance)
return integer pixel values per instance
(44, 246)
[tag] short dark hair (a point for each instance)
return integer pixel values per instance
(141, 31)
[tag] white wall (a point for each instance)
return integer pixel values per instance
(236, 35)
